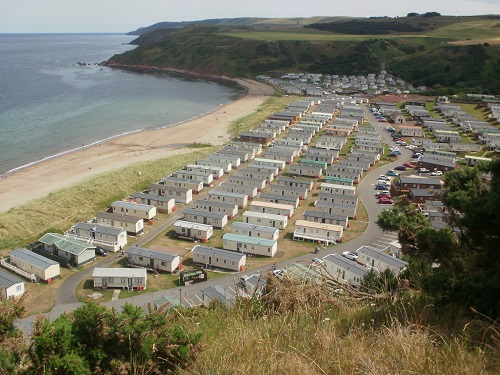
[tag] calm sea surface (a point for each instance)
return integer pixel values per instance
(49, 104)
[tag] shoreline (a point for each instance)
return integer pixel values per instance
(38, 179)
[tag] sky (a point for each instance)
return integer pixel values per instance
(93, 16)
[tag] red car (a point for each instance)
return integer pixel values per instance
(408, 165)
(385, 200)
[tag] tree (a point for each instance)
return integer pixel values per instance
(465, 256)
(12, 345)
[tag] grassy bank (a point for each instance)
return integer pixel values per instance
(302, 329)
(59, 210)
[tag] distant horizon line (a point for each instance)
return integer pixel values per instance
(66, 33)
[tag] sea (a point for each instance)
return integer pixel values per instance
(55, 97)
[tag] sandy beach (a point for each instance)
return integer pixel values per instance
(53, 174)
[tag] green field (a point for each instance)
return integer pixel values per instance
(476, 30)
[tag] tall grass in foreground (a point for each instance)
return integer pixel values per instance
(308, 332)
(60, 210)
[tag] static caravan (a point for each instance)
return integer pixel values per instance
(142, 211)
(299, 131)
(195, 185)
(316, 127)
(288, 191)
(12, 286)
(272, 208)
(234, 160)
(255, 147)
(345, 168)
(284, 149)
(338, 189)
(234, 150)
(302, 183)
(241, 200)
(153, 260)
(179, 194)
(229, 209)
(265, 131)
(289, 142)
(305, 170)
(275, 198)
(226, 166)
(348, 210)
(375, 156)
(207, 179)
(249, 245)
(270, 163)
(328, 159)
(111, 239)
(339, 181)
(216, 172)
(252, 173)
(69, 249)
(344, 270)
(250, 191)
(242, 155)
(324, 218)
(322, 164)
(259, 183)
(132, 225)
(123, 278)
(335, 172)
(338, 198)
(268, 220)
(354, 163)
(299, 137)
(163, 204)
(263, 168)
(209, 257)
(285, 157)
(193, 231)
(373, 257)
(329, 145)
(361, 158)
(252, 230)
(216, 219)
(39, 266)
(324, 233)
(264, 139)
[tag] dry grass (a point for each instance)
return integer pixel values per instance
(307, 331)
(60, 210)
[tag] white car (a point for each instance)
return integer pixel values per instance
(384, 177)
(350, 255)
(436, 173)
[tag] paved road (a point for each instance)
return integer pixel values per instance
(190, 294)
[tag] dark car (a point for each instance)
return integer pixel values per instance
(380, 187)
(393, 155)
(400, 168)
(101, 252)
(396, 135)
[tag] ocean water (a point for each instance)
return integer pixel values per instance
(51, 104)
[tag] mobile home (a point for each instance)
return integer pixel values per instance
(28, 261)
(268, 220)
(270, 163)
(275, 198)
(340, 209)
(216, 219)
(209, 257)
(338, 189)
(141, 211)
(325, 218)
(295, 182)
(305, 170)
(288, 191)
(259, 183)
(153, 260)
(252, 230)
(12, 286)
(111, 239)
(229, 209)
(165, 205)
(272, 208)
(195, 185)
(250, 191)
(133, 225)
(69, 249)
(179, 194)
(249, 245)
(234, 160)
(241, 200)
(217, 172)
(193, 231)
(123, 278)
(324, 233)
(207, 179)
(253, 173)
(225, 165)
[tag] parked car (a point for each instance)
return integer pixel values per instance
(397, 152)
(396, 135)
(436, 173)
(384, 177)
(101, 252)
(400, 168)
(390, 172)
(350, 255)
(382, 120)
(385, 194)
(380, 187)
(416, 155)
(393, 155)
(379, 117)
(423, 170)
(408, 165)
(385, 201)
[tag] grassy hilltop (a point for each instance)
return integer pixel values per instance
(462, 53)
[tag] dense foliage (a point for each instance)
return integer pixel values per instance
(96, 340)
(366, 27)
(460, 264)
